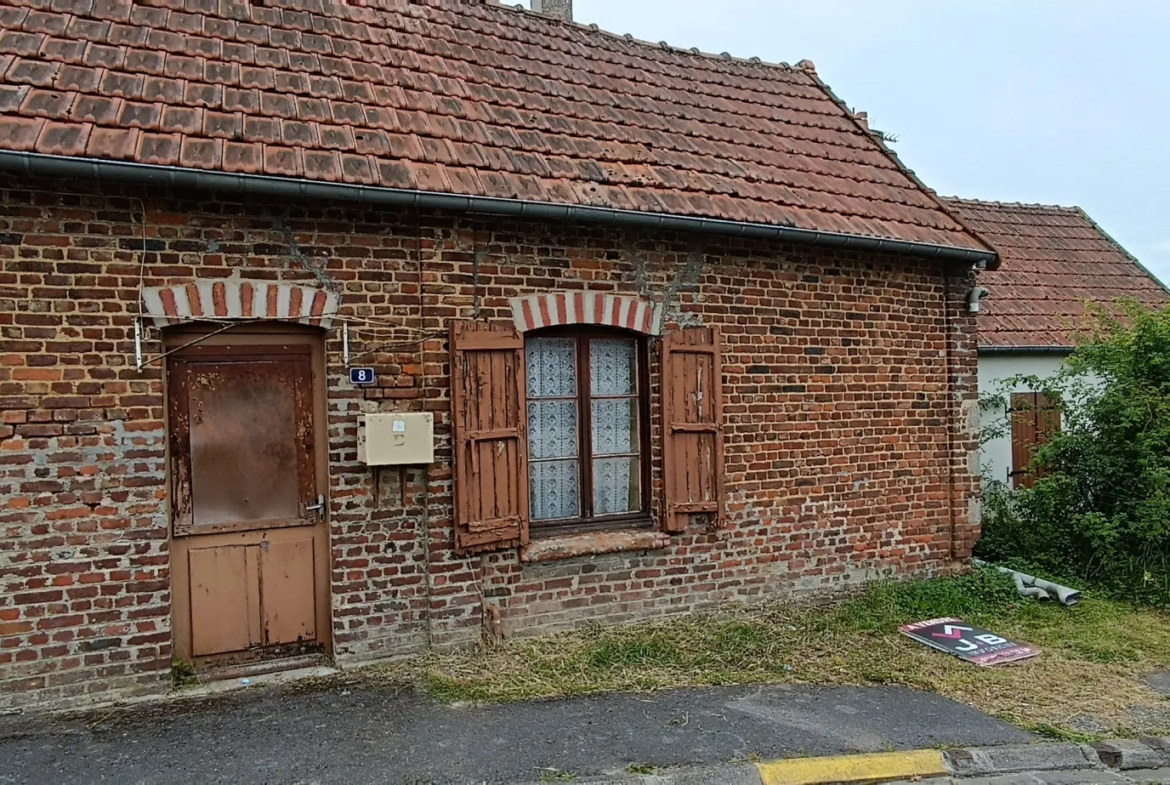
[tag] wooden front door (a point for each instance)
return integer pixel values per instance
(247, 481)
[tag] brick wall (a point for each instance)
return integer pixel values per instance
(847, 393)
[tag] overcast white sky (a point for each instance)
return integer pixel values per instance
(1050, 101)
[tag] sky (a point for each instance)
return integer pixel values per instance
(1039, 101)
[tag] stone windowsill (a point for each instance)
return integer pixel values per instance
(591, 544)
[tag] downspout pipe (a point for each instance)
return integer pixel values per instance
(67, 167)
(1031, 586)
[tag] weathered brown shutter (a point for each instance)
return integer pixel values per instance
(491, 448)
(1047, 418)
(1034, 419)
(692, 403)
(1023, 421)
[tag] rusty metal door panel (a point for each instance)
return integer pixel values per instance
(288, 589)
(242, 446)
(225, 599)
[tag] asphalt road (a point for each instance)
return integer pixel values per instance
(352, 734)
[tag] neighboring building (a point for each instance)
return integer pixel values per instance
(685, 332)
(1055, 260)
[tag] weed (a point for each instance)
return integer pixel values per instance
(640, 768)
(1063, 734)
(183, 674)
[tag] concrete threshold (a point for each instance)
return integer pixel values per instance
(244, 679)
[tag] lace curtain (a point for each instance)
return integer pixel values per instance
(554, 473)
(553, 427)
(613, 372)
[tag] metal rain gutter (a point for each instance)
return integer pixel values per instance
(1026, 349)
(37, 164)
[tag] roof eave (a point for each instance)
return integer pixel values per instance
(39, 164)
(1035, 349)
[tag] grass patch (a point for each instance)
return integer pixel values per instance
(1090, 674)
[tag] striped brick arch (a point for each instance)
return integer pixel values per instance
(557, 308)
(240, 300)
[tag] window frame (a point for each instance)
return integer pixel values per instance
(640, 518)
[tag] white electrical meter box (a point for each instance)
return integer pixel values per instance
(396, 438)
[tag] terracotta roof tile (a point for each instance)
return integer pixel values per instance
(112, 143)
(1053, 260)
(283, 161)
(63, 138)
(118, 85)
(71, 52)
(201, 153)
(246, 157)
(20, 133)
(465, 98)
(138, 115)
(126, 35)
(159, 149)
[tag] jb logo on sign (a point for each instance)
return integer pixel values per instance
(952, 632)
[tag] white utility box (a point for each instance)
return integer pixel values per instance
(396, 438)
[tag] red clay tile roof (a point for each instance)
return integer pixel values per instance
(458, 98)
(1052, 260)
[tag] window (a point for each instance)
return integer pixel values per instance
(549, 430)
(587, 434)
(1034, 418)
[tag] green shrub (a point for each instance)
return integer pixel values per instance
(1100, 510)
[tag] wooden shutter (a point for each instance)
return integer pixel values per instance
(1034, 418)
(1047, 418)
(489, 439)
(692, 403)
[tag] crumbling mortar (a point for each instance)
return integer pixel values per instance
(283, 224)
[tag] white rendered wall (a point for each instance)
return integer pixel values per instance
(995, 457)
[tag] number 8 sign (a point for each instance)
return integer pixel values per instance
(361, 377)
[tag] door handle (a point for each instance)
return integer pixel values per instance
(319, 507)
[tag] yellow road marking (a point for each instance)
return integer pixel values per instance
(878, 767)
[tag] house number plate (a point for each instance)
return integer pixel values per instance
(362, 377)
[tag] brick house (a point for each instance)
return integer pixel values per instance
(1057, 261)
(684, 331)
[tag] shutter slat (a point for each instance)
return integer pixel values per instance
(693, 426)
(488, 437)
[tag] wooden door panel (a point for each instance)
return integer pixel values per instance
(288, 590)
(225, 607)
